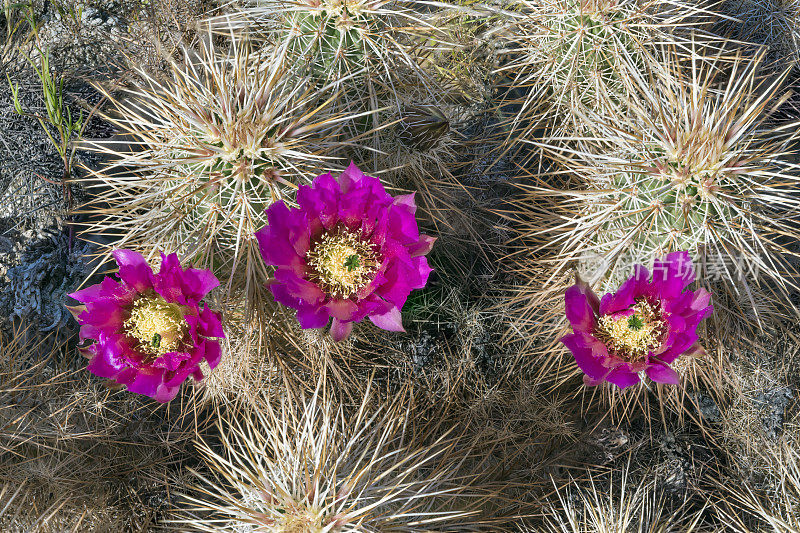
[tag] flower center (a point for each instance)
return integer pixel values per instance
(632, 336)
(342, 264)
(159, 326)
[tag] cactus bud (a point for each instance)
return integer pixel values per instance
(421, 126)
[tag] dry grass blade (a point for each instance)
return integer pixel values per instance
(775, 508)
(82, 453)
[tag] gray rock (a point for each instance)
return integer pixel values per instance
(709, 411)
(34, 291)
(423, 350)
(773, 403)
(90, 15)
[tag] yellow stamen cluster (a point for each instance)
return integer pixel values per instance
(632, 337)
(159, 326)
(342, 263)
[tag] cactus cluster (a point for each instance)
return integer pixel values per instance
(366, 49)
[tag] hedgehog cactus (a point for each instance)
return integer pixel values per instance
(214, 145)
(771, 23)
(587, 40)
(364, 50)
(328, 35)
(692, 167)
(571, 56)
(673, 198)
(303, 465)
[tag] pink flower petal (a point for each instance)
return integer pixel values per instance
(175, 378)
(350, 177)
(93, 292)
(671, 275)
(105, 315)
(168, 282)
(402, 223)
(622, 377)
(422, 247)
(589, 354)
(197, 374)
(126, 376)
(400, 280)
(313, 317)
(421, 267)
(281, 295)
(591, 297)
(320, 202)
(680, 345)
(663, 374)
(134, 270)
(579, 312)
(343, 310)
(107, 362)
(213, 354)
(150, 383)
(304, 290)
(275, 239)
(340, 330)
(642, 277)
(198, 283)
(390, 321)
(620, 300)
(210, 324)
(696, 350)
(170, 360)
(380, 230)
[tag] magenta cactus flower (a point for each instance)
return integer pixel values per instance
(148, 329)
(643, 327)
(349, 251)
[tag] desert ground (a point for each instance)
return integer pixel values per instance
(406, 238)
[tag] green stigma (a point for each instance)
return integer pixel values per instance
(352, 262)
(635, 322)
(342, 263)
